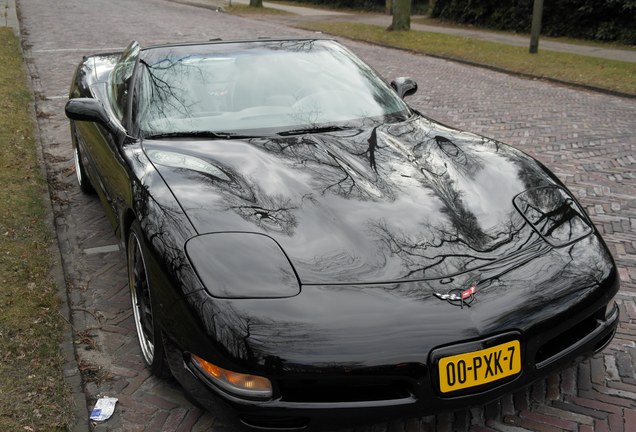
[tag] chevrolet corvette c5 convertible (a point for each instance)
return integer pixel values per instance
(304, 249)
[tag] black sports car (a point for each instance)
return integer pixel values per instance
(305, 248)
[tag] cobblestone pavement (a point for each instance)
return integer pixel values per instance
(588, 139)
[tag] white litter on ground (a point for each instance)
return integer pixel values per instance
(104, 408)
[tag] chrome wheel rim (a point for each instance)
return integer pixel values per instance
(141, 301)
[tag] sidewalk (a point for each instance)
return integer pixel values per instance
(301, 14)
(9, 17)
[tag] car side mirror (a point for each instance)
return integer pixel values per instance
(404, 86)
(86, 109)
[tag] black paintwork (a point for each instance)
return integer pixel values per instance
(317, 258)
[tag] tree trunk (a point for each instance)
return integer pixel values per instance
(431, 8)
(401, 15)
(388, 7)
(537, 12)
(256, 3)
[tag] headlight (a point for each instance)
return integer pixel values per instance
(554, 214)
(238, 384)
(242, 265)
(184, 161)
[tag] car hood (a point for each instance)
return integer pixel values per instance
(413, 200)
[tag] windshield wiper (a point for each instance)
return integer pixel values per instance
(200, 134)
(316, 129)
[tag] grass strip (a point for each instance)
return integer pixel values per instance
(438, 22)
(34, 394)
(573, 68)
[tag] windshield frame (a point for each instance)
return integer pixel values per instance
(153, 56)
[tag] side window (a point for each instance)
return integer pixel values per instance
(120, 79)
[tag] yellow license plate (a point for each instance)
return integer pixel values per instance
(479, 367)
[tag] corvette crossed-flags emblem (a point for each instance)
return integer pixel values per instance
(458, 297)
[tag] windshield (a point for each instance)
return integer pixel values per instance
(273, 86)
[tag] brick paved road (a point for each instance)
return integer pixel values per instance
(589, 139)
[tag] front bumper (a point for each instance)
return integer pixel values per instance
(402, 391)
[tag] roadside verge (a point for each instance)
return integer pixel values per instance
(44, 383)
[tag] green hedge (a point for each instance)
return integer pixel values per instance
(352, 4)
(419, 6)
(605, 20)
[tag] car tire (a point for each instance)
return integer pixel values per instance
(146, 323)
(85, 184)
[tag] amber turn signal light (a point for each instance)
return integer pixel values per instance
(238, 384)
